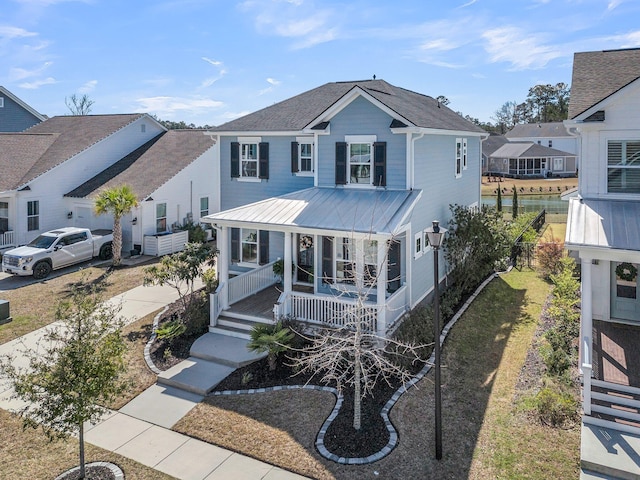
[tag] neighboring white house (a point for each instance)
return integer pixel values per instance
(52, 173)
(604, 231)
(530, 160)
(174, 176)
(551, 134)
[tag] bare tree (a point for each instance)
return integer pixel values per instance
(353, 355)
(79, 105)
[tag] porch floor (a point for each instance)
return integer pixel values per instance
(261, 304)
(616, 353)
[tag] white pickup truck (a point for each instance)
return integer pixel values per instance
(57, 249)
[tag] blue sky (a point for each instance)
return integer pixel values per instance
(209, 61)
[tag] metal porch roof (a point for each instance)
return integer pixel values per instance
(337, 209)
(611, 224)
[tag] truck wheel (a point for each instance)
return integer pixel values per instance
(41, 270)
(106, 252)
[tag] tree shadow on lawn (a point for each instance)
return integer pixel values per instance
(472, 354)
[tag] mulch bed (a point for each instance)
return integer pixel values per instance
(92, 473)
(341, 438)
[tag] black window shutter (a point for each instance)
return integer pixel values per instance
(263, 155)
(380, 164)
(263, 256)
(235, 244)
(341, 163)
(327, 259)
(394, 273)
(294, 157)
(235, 159)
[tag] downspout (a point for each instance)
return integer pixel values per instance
(411, 140)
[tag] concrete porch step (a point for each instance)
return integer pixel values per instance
(226, 350)
(238, 323)
(230, 332)
(195, 375)
(608, 451)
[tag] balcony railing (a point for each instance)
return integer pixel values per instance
(7, 239)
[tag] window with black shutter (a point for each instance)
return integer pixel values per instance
(341, 163)
(263, 149)
(235, 159)
(380, 164)
(263, 257)
(235, 245)
(294, 157)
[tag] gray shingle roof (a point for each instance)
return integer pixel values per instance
(299, 111)
(18, 153)
(527, 150)
(150, 166)
(597, 75)
(492, 143)
(543, 130)
(74, 134)
(353, 210)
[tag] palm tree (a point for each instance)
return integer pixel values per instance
(118, 201)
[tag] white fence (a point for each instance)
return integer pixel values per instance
(6, 239)
(216, 303)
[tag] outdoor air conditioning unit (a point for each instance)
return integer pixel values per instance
(5, 317)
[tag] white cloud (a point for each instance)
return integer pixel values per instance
(17, 73)
(307, 24)
(628, 40)
(519, 48)
(468, 4)
(37, 83)
(273, 83)
(613, 4)
(207, 82)
(167, 106)
(8, 32)
(88, 86)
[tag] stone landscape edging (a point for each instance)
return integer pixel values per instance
(118, 474)
(384, 413)
(147, 347)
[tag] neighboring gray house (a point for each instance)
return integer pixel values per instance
(530, 160)
(490, 145)
(603, 229)
(341, 183)
(15, 115)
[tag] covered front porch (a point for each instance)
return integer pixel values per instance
(330, 269)
(7, 237)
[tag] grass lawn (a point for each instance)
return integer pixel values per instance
(484, 433)
(33, 306)
(553, 230)
(29, 455)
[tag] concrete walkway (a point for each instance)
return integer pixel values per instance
(141, 429)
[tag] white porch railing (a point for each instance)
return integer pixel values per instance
(216, 304)
(327, 310)
(586, 375)
(251, 282)
(6, 239)
(397, 305)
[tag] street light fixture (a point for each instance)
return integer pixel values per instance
(435, 234)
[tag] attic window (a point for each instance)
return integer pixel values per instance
(143, 128)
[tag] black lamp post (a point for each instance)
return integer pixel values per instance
(435, 235)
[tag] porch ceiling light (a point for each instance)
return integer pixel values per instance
(435, 233)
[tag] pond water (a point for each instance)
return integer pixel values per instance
(531, 203)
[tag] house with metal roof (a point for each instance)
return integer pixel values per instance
(530, 160)
(16, 115)
(604, 232)
(336, 187)
(52, 158)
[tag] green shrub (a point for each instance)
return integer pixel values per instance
(171, 329)
(210, 280)
(555, 407)
(273, 339)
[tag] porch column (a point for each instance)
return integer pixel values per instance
(586, 325)
(223, 266)
(381, 288)
(288, 265)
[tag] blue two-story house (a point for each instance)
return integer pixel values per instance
(338, 184)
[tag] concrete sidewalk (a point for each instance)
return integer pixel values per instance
(141, 429)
